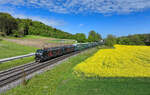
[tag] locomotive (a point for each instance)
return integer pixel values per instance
(45, 54)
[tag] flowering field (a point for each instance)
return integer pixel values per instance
(122, 61)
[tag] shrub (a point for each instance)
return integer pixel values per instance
(110, 40)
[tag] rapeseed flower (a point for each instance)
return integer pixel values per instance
(122, 61)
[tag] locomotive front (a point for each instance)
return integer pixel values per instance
(39, 55)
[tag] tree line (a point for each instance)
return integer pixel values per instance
(10, 26)
(137, 39)
(92, 37)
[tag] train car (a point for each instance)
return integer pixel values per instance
(68, 49)
(49, 53)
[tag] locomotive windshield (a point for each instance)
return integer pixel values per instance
(39, 52)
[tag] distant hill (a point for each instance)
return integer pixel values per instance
(10, 26)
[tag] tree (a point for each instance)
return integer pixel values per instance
(7, 23)
(123, 41)
(110, 40)
(80, 37)
(94, 37)
(99, 37)
(137, 39)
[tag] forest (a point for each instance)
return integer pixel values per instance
(10, 26)
(16, 27)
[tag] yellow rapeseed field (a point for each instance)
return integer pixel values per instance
(122, 61)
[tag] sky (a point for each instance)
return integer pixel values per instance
(117, 17)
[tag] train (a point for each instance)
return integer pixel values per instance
(45, 54)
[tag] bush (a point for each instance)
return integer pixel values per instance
(110, 40)
(16, 34)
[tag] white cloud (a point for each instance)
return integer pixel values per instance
(79, 6)
(6, 9)
(48, 21)
(80, 25)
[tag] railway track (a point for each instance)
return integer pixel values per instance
(11, 75)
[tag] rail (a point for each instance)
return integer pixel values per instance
(16, 57)
(13, 74)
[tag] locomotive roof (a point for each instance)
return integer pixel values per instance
(54, 48)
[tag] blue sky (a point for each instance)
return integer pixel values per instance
(117, 17)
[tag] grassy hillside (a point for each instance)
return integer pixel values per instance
(12, 46)
(34, 37)
(10, 49)
(27, 37)
(50, 40)
(62, 81)
(39, 41)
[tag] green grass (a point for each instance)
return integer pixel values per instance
(56, 40)
(17, 62)
(62, 81)
(26, 37)
(10, 49)
(62, 41)
(83, 86)
(34, 37)
(46, 84)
